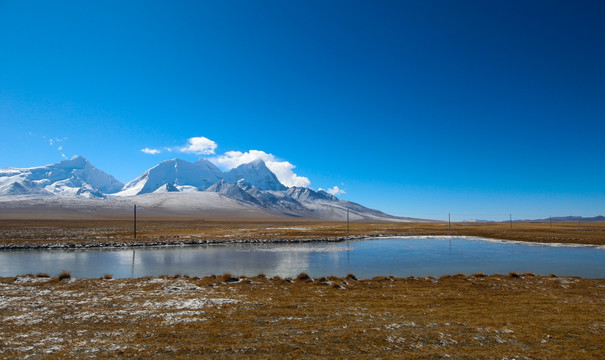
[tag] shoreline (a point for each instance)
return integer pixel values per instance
(183, 243)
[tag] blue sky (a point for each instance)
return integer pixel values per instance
(417, 108)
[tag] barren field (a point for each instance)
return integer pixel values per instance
(85, 233)
(459, 317)
(462, 317)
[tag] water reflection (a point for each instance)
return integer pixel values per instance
(366, 258)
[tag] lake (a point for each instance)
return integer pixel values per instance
(400, 256)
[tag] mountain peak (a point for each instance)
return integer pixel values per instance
(175, 172)
(303, 194)
(203, 161)
(255, 173)
(249, 187)
(73, 177)
(76, 162)
(257, 162)
(243, 184)
(174, 161)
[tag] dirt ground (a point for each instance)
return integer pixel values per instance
(48, 233)
(458, 317)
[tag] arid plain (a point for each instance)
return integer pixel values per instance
(461, 316)
(99, 233)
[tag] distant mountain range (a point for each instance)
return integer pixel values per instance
(568, 219)
(76, 177)
(174, 187)
(553, 219)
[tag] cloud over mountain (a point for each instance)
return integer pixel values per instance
(173, 187)
(281, 169)
(201, 145)
(150, 151)
(335, 190)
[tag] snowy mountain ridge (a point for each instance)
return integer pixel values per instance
(172, 173)
(248, 188)
(75, 177)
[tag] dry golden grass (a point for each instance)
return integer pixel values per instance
(19, 233)
(459, 317)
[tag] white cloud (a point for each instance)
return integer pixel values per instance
(335, 191)
(52, 141)
(151, 151)
(60, 148)
(281, 169)
(200, 146)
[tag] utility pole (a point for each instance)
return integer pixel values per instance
(135, 221)
(449, 221)
(347, 220)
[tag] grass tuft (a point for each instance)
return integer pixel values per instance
(43, 275)
(479, 274)
(514, 275)
(107, 276)
(303, 276)
(64, 275)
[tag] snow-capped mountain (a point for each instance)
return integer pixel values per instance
(233, 191)
(273, 201)
(172, 188)
(256, 173)
(172, 173)
(75, 177)
(306, 194)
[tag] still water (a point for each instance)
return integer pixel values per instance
(401, 257)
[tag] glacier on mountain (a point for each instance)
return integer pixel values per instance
(176, 172)
(167, 187)
(75, 177)
(256, 173)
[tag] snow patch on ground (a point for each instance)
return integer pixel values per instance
(497, 241)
